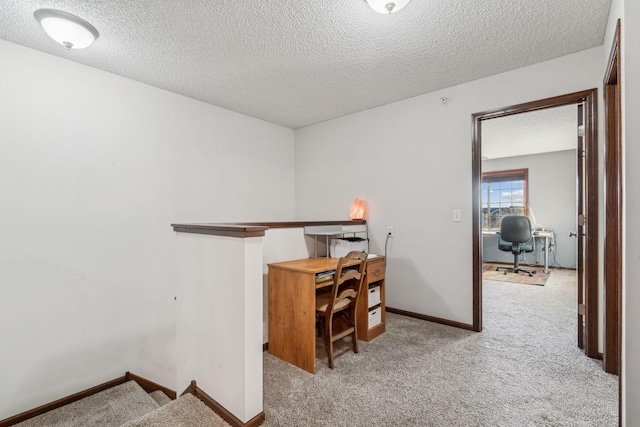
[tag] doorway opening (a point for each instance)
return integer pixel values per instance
(587, 222)
(529, 169)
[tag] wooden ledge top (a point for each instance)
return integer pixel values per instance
(229, 230)
(299, 224)
(251, 229)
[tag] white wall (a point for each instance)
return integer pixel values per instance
(629, 11)
(552, 196)
(631, 87)
(219, 319)
(93, 170)
(411, 161)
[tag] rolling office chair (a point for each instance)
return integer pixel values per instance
(341, 302)
(516, 237)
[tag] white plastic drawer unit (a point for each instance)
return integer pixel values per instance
(374, 296)
(375, 317)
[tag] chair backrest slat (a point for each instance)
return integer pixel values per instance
(343, 302)
(348, 275)
(348, 278)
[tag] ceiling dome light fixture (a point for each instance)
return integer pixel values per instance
(67, 29)
(387, 6)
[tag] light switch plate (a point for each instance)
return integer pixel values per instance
(457, 215)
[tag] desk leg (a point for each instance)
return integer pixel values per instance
(546, 254)
(327, 244)
(292, 315)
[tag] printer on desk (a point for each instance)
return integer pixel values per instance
(336, 242)
(343, 245)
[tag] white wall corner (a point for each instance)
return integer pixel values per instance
(253, 338)
(219, 319)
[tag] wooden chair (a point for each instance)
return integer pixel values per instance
(337, 308)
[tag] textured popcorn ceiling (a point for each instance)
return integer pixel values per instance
(298, 62)
(542, 131)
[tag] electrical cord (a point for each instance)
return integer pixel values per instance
(385, 248)
(366, 225)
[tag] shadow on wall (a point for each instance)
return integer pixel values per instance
(265, 308)
(56, 375)
(408, 289)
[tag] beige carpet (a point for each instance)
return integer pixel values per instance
(524, 369)
(112, 407)
(160, 398)
(185, 411)
(129, 405)
(489, 273)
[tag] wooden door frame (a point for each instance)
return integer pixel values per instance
(581, 165)
(590, 100)
(613, 231)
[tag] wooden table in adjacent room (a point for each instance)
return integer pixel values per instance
(292, 295)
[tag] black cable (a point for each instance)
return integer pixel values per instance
(385, 248)
(366, 225)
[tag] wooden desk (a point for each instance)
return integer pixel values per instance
(292, 307)
(545, 235)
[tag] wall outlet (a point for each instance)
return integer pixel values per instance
(390, 230)
(457, 215)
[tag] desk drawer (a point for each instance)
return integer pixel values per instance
(374, 296)
(375, 317)
(375, 270)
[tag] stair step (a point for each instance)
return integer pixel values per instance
(186, 411)
(160, 398)
(111, 407)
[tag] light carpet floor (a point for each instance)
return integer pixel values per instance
(160, 398)
(524, 369)
(111, 407)
(185, 411)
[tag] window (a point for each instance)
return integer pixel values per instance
(503, 193)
